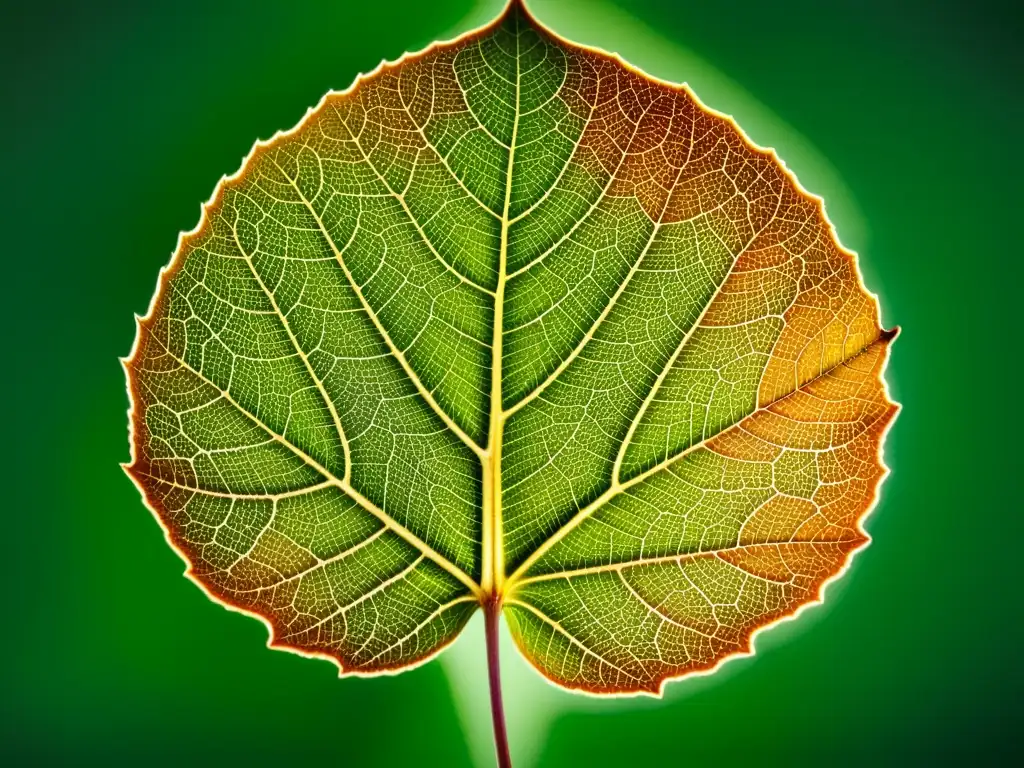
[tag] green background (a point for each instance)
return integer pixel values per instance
(118, 120)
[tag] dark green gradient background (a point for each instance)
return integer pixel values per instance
(118, 119)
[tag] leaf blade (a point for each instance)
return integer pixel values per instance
(486, 387)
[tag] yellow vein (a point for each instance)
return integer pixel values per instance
(343, 555)
(565, 633)
(328, 401)
(493, 533)
(442, 158)
(441, 609)
(572, 154)
(620, 454)
(345, 487)
(609, 307)
(593, 206)
(398, 354)
(657, 611)
(400, 197)
(616, 488)
(241, 496)
(465, 90)
(391, 580)
(663, 559)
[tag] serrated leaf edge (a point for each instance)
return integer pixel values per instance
(749, 646)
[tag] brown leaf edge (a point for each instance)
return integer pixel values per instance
(136, 427)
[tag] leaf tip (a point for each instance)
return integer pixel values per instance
(517, 8)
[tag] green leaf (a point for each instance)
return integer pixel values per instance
(510, 324)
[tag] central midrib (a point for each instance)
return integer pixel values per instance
(493, 560)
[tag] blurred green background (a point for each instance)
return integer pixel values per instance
(119, 119)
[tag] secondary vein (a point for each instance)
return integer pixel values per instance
(342, 485)
(398, 354)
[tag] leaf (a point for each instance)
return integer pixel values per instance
(684, 436)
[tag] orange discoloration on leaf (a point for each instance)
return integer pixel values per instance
(511, 323)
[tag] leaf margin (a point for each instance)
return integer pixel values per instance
(167, 272)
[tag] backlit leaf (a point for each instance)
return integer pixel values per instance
(508, 320)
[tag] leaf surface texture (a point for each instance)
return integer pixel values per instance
(510, 318)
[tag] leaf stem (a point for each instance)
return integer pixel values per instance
(492, 612)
